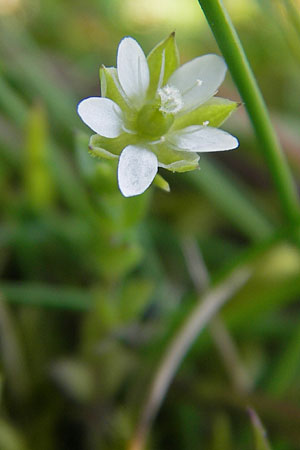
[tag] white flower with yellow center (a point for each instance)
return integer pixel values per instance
(154, 114)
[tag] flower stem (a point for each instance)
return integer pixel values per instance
(233, 52)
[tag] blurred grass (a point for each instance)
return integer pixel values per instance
(93, 285)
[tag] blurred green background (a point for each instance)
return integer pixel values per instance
(93, 285)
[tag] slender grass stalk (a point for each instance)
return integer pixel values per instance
(259, 433)
(233, 52)
(207, 306)
(12, 353)
(225, 345)
(47, 296)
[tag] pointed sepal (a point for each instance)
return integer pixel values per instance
(213, 113)
(163, 60)
(161, 183)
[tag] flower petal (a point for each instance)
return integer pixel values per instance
(102, 115)
(199, 79)
(136, 171)
(133, 71)
(198, 138)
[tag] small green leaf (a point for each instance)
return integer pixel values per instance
(160, 182)
(122, 258)
(136, 294)
(162, 61)
(213, 112)
(75, 378)
(259, 433)
(38, 181)
(222, 434)
(109, 148)
(175, 161)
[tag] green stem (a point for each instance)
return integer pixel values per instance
(293, 15)
(231, 47)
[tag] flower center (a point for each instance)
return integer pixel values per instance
(171, 99)
(152, 121)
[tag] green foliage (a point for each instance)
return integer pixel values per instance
(10, 438)
(38, 179)
(221, 434)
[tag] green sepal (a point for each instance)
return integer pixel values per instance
(111, 88)
(109, 148)
(215, 111)
(162, 62)
(161, 183)
(174, 160)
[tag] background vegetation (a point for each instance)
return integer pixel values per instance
(94, 286)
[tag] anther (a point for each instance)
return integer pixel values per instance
(170, 99)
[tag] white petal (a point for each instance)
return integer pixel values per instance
(133, 71)
(197, 138)
(199, 79)
(102, 115)
(136, 171)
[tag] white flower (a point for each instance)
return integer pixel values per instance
(150, 121)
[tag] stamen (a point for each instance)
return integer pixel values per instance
(197, 83)
(159, 141)
(171, 100)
